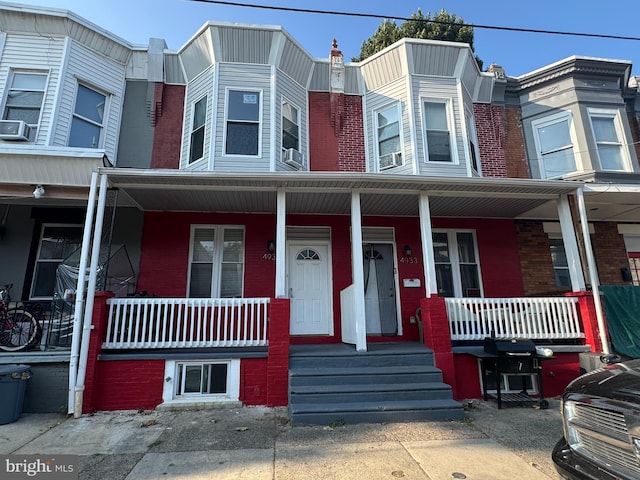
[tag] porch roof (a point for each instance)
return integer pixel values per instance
(330, 192)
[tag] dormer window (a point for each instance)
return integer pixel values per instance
(607, 134)
(199, 114)
(437, 132)
(88, 118)
(24, 99)
(389, 152)
(290, 127)
(554, 145)
(243, 122)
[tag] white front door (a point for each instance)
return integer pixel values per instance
(309, 289)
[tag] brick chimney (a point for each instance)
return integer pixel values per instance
(336, 86)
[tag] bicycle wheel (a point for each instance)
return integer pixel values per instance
(20, 331)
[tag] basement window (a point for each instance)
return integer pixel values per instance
(201, 381)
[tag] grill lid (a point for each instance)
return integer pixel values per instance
(501, 346)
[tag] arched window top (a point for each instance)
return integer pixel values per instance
(372, 254)
(307, 254)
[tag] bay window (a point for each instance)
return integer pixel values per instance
(554, 145)
(387, 124)
(607, 135)
(243, 123)
(437, 131)
(88, 118)
(198, 123)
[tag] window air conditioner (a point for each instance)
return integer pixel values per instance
(390, 160)
(14, 130)
(293, 157)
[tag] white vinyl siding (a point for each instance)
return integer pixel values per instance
(287, 89)
(380, 99)
(253, 78)
(44, 54)
(98, 72)
(196, 90)
(435, 89)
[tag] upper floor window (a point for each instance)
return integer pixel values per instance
(243, 122)
(199, 115)
(290, 127)
(473, 144)
(88, 118)
(437, 132)
(607, 134)
(388, 137)
(216, 263)
(554, 145)
(24, 98)
(456, 262)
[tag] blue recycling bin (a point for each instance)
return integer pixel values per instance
(13, 382)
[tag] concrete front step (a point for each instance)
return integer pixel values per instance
(375, 412)
(389, 382)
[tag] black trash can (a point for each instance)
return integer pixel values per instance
(13, 382)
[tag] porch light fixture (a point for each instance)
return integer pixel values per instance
(407, 250)
(39, 191)
(271, 245)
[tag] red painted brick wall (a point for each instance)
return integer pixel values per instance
(165, 251)
(336, 137)
(129, 384)
(167, 135)
(500, 141)
(253, 381)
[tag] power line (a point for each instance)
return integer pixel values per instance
(386, 17)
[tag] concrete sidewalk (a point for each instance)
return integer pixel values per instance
(259, 443)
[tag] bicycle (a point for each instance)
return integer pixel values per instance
(19, 330)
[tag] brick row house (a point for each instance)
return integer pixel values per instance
(336, 237)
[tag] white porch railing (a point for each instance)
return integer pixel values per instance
(186, 322)
(534, 318)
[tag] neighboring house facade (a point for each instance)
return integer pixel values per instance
(275, 205)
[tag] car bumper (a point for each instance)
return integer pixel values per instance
(574, 467)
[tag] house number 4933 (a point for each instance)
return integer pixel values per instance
(269, 256)
(408, 259)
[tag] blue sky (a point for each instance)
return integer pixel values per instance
(519, 53)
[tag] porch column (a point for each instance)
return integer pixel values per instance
(358, 273)
(593, 272)
(428, 259)
(281, 233)
(570, 245)
(80, 292)
(91, 290)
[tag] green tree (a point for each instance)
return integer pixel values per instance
(443, 26)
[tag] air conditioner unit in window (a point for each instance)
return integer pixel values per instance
(14, 130)
(293, 157)
(390, 160)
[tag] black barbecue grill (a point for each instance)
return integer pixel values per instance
(513, 357)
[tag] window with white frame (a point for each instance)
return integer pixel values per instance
(607, 134)
(560, 263)
(24, 98)
(57, 242)
(88, 118)
(290, 126)
(243, 122)
(198, 123)
(201, 380)
(389, 150)
(216, 262)
(554, 145)
(456, 262)
(437, 132)
(473, 144)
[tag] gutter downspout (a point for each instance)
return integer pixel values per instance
(91, 290)
(77, 315)
(593, 272)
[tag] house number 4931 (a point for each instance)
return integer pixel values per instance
(408, 259)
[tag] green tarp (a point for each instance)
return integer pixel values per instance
(622, 308)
